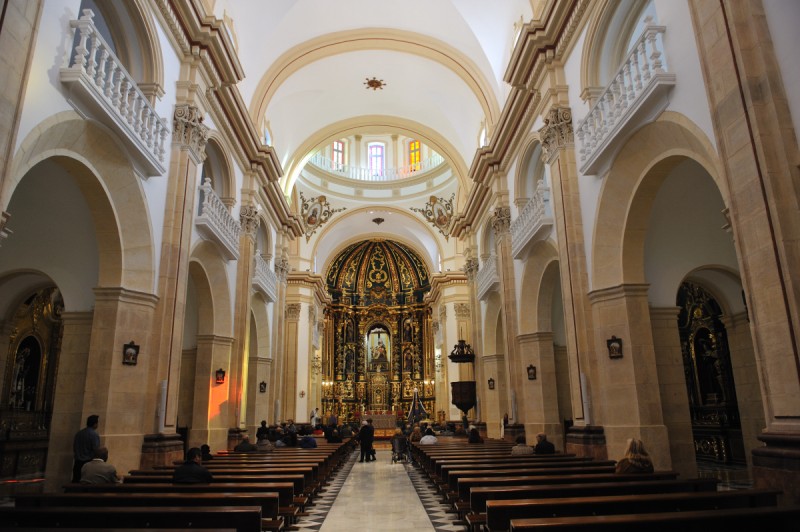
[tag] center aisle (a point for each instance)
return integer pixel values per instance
(377, 496)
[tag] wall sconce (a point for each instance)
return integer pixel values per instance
(531, 372)
(491, 383)
(130, 354)
(302, 393)
(614, 347)
(262, 387)
(220, 376)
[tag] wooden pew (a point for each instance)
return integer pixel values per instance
(500, 513)
(268, 502)
(493, 469)
(240, 518)
(466, 484)
(298, 481)
(769, 518)
(455, 476)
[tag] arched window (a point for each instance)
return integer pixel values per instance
(337, 154)
(376, 158)
(413, 155)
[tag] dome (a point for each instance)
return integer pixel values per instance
(377, 271)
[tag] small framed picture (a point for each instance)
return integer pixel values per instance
(531, 372)
(130, 354)
(614, 347)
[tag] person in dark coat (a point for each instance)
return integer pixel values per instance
(366, 436)
(245, 446)
(192, 472)
(85, 443)
(636, 459)
(543, 446)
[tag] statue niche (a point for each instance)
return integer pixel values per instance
(379, 349)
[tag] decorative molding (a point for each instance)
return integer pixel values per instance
(188, 129)
(264, 279)
(315, 212)
(249, 220)
(534, 222)
(439, 213)
(501, 221)
(4, 231)
(487, 278)
(215, 223)
(442, 313)
(557, 132)
(462, 310)
(282, 269)
(293, 311)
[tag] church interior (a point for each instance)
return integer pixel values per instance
(267, 208)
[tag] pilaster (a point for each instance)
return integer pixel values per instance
(291, 352)
(495, 404)
(210, 415)
(539, 396)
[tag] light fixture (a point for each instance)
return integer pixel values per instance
(220, 376)
(378, 221)
(491, 383)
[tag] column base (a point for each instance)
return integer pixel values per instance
(587, 441)
(777, 465)
(161, 450)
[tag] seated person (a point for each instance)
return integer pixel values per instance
(474, 436)
(429, 438)
(99, 471)
(636, 459)
(521, 448)
(308, 442)
(416, 434)
(192, 472)
(346, 431)
(245, 446)
(206, 450)
(264, 445)
(543, 446)
(334, 437)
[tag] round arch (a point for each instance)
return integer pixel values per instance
(540, 277)
(531, 164)
(374, 39)
(386, 124)
(629, 190)
(490, 316)
(215, 314)
(110, 186)
(220, 167)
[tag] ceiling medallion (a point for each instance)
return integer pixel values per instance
(315, 212)
(378, 221)
(439, 213)
(374, 83)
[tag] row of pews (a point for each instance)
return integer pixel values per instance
(251, 492)
(492, 491)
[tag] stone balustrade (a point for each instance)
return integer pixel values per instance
(264, 278)
(534, 222)
(488, 278)
(215, 222)
(366, 174)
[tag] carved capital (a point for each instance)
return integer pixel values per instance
(471, 268)
(248, 217)
(462, 310)
(557, 132)
(188, 129)
(282, 269)
(501, 221)
(293, 311)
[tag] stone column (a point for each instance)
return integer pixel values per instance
(210, 413)
(290, 354)
(278, 348)
(241, 393)
(558, 152)
(540, 395)
(495, 403)
(628, 402)
(187, 153)
(672, 388)
(68, 417)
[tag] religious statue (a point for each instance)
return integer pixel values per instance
(380, 360)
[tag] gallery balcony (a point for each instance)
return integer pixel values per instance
(636, 96)
(215, 223)
(101, 87)
(367, 174)
(488, 277)
(264, 278)
(534, 222)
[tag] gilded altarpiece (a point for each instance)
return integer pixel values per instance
(382, 343)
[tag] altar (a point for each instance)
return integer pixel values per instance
(384, 424)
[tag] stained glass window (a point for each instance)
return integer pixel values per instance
(413, 155)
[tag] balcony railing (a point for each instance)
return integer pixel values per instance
(106, 90)
(367, 174)
(488, 278)
(635, 97)
(264, 279)
(215, 223)
(534, 222)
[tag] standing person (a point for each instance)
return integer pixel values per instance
(474, 436)
(314, 417)
(636, 459)
(99, 471)
(333, 421)
(86, 442)
(192, 472)
(543, 446)
(366, 436)
(263, 432)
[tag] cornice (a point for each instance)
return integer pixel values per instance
(443, 280)
(312, 281)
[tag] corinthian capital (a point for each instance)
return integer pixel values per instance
(248, 217)
(282, 269)
(293, 311)
(188, 129)
(501, 221)
(471, 268)
(557, 132)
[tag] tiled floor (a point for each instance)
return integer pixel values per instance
(377, 496)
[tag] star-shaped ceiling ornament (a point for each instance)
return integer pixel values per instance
(374, 83)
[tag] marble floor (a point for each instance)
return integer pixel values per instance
(377, 495)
